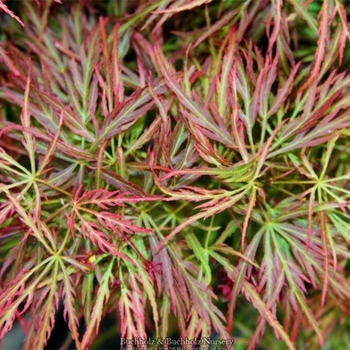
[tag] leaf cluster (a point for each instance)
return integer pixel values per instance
(180, 165)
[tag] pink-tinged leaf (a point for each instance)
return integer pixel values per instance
(189, 193)
(16, 298)
(259, 329)
(9, 12)
(75, 79)
(69, 150)
(264, 150)
(284, 91)
(222, 22)
(117, 81)
(106, 63)
(202, 143)
(146, 281)
(45, 118)
(323, 33)
(310, 120)
(238, 275)
(296, 279)
(104, 198)
(8, 61)
(118, 225)
(71, 54)
(276, 10)
(264, 311)
(92, 231)
(48, 312)
(344, 30)
(132, 309)
(6, 210)
(239, 172)
(202, 296)
(182, 291)
(99, 164)
(71, 120)
(91, 103)
(224, 249)
(101, 82)
(212, 210)
(29, 142)
(160, 102)
(166, 269)
(237, 125)
(210, 129)
(51, 150)
(120, 119)
(327, 240)
(69, 297)
(121, 184)
(103, 295)
(324, 132)
(309, 315)
(227, 64)
(146, 136)
(80, 263)
(177, 7)
(8, 323)
(63, 178)
(36, 227)
(263, 88)
(271, 274)
(199, 114)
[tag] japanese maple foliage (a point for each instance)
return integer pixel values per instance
(180, 166)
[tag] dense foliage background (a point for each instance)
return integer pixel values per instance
(175, 168)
